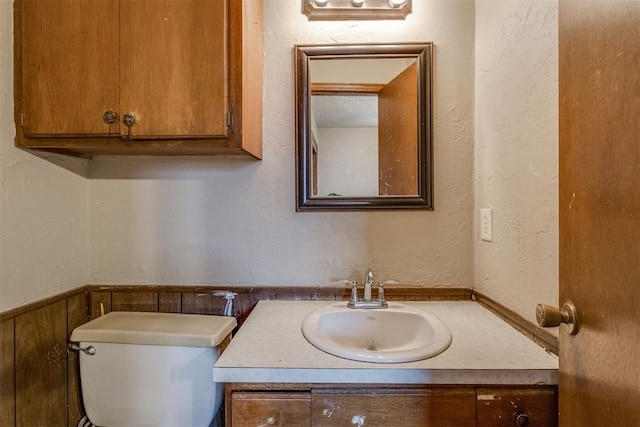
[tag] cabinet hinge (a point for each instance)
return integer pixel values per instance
(21, 120)
(230, 119)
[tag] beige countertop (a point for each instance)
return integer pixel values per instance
(270, 347)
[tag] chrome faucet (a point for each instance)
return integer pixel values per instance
(367, 301)
(368, 281)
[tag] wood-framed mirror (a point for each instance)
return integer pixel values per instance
(363, 127)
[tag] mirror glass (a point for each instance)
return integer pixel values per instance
(364, 127)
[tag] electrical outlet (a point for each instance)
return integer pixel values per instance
(486, 225)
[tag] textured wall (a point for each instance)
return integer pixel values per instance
(43, 207)
(351, 168)
(229, 220)
(516, 151)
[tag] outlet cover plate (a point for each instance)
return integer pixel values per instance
(486, 225)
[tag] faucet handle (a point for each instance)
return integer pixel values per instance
(381, 285)
(354, 291)
(388, 282)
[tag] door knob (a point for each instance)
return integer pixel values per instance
(109, 117)
(129, 120)
(548, 316)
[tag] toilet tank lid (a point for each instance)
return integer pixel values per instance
(171, 329)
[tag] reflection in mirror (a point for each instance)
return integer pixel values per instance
(358, 111)
(364, 134)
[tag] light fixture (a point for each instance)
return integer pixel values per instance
(336, 10)
(396, 3)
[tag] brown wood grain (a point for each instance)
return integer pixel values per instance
(398, 135)
(174, 67)
(437, 408)
(77, 314)
(178, 67)
(202, 303)
(246, 54)
(277, 409)
(98, 301)
(70, 96)
(599, 92)
(41, 366)
(499, 407)
(7, 374)
(134, 301)
(169, 302)
(319, 88)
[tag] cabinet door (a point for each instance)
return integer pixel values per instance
(437, 408)
(174, 67)
(69, 62)
(253, 409)
(514, 407)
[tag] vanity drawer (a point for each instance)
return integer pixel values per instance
(251, 409)
(515, 407)
(411, 408)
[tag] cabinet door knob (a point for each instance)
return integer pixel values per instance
(129, 120)
(522, 420)
(548, 316)
(109, 116)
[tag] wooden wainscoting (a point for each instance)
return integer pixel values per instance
(200, 299)
(38, 377)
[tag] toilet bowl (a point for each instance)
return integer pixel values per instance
(151, 369)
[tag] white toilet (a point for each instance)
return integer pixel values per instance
(151, 369)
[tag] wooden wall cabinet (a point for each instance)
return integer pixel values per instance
(408, 406)
(188, 74)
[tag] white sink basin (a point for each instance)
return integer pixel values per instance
(399, 333)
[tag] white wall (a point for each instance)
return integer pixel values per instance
(44, 216)
(516, 151)
(229, 220)
(232, 220)
(348, 161)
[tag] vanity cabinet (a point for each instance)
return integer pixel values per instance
(139, 76)
(249, 405)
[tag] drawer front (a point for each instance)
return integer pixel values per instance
(516, 407)
(414, 409)
(253, 409)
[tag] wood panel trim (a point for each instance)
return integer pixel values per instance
(537, 334)
(7, 373)
(18, 311)
(429, 292)
(373, 387)
(321, 88)
(41, 363)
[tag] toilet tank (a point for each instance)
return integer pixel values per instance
(151, 369)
